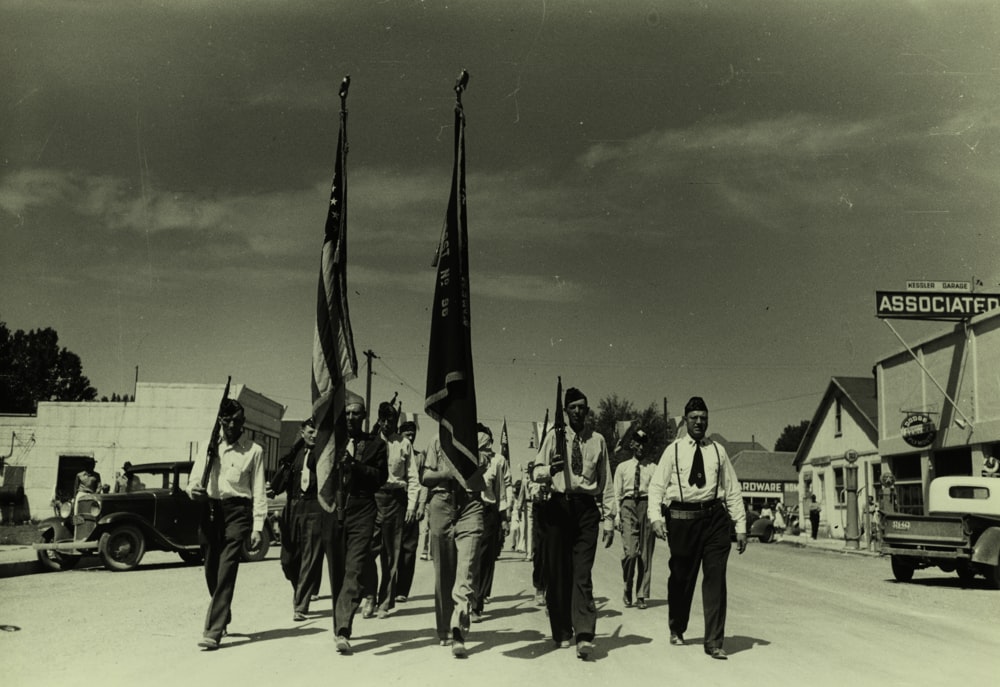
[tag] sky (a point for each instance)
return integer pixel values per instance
(665, 198)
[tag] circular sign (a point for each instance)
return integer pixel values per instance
(918, 430)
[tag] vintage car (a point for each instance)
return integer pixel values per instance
(761, 529)
(155, 514)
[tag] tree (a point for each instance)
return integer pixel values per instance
(612, 410)
(33, 368)
(791, 437)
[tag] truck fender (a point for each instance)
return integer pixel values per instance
(987, 548)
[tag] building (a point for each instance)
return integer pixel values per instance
(846, 419)
(940, 407)
(766, 478)
(164, 422)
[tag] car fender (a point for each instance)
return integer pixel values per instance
(60, 532)
(987, 548)
(153, 536)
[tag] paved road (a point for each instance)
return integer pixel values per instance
(797, 617)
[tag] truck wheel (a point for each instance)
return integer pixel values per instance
(122, 548)
(966, 575)
(901, 570)
(992, 573)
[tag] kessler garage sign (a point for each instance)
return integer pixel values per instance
(930, 305)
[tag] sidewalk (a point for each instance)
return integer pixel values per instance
(22, 560)
(836, 545)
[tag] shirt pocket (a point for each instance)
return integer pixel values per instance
(233, 473)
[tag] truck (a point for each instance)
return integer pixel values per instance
(960, 532)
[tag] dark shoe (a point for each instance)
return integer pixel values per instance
(343, 645)
(457, 644)
(298, 616)
(584, 649)
(641, 604)
(592, 607)
(208, 644)
(676, 639)
(627, 599)
(717, 653)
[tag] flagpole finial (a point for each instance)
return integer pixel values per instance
(461, 84)
(344, 85)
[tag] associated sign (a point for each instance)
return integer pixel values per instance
(933, 305)
(918, 430)
(924, 285)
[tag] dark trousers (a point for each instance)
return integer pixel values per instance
(814, 522)
(487, 552)
(637, 547)
(387, 539)
(302, 550)
(455, 526)
(570, 525)
(537, 546)
(225, 526)
(702, 542)
(408, 557)
(346, 543)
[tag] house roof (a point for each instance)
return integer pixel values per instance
(768, 466)
(734, 447)
(861, 393)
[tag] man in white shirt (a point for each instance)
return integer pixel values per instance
(235, 508)
(697, 483)
(631, 485)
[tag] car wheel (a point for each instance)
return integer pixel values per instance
(57, 561)
(252, 555)
(767, 536)
(901, 570)
(992, 573)
(122, 548)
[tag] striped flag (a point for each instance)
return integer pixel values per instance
(334, 360)
(451, 389)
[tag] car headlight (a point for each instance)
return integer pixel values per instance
(65, 509)
(95, 508)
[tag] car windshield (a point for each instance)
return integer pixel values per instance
(150, 480)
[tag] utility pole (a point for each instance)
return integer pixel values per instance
(370, 354)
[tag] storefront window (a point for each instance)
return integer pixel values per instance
(909, 487)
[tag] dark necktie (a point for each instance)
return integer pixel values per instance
(697, 477)
(636, 486)
(577, 463)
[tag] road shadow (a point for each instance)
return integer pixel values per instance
(238, 639)
(733, 645)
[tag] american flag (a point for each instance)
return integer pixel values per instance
(451, 389)
(334, 359)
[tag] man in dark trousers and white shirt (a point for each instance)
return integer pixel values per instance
(301, 529)
(697, 484)
(235, 508)
(581, 499)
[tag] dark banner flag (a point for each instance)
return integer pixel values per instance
(451, 389)
(334, 360)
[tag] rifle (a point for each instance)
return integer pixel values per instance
(213, 442)
(559, 427)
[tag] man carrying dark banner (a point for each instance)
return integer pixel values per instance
(235, 508)
(452, 465)
(581, 500)
(360, 469)
(455, 517)
(697, 484)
